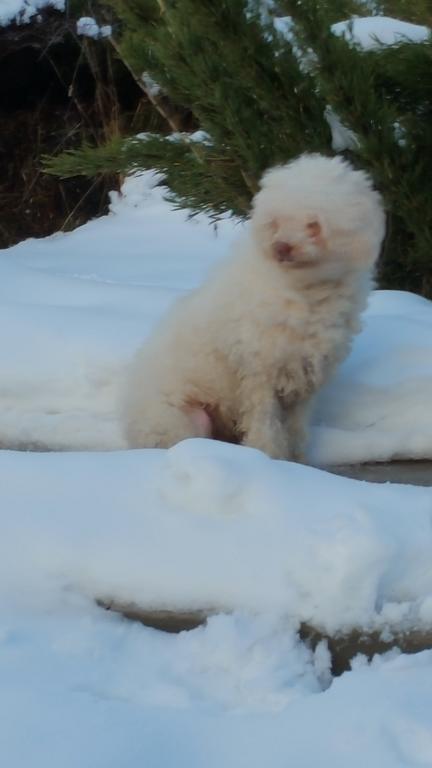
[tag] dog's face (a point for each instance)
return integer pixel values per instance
(295, 242)
(320, 222)
(314, 247)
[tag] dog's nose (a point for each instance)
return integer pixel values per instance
(283, 251)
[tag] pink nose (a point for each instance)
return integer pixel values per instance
(283, 251)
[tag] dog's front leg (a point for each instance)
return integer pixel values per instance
(296, 419)
(262, 423)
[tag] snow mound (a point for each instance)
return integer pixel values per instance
(218, 527)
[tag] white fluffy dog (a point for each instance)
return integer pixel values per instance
(241, 357)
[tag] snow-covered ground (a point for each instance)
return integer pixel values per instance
(74, 307)
(260, 544)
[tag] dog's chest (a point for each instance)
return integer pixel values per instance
(304, 343)
(295, 326)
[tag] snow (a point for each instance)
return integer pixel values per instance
(88, 27)
(264, 8)
(86, 689)
(201, 524)
(342, 137)
(376, 408)
(152, 87)
(372, 32)
(284, 25)
(21, 11)
(368, 33)
(74, 307)
(261, 545)
(80, 303)
(332, 552)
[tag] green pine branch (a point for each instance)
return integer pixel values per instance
(261, 95)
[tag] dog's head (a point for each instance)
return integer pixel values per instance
(318, 216)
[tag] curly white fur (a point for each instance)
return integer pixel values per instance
(241, 357)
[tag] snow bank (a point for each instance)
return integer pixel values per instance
(74, 307)
(207, 524)
(80, 688)
(377, 407)
(375, 31)
(21, 11)
(213, 526)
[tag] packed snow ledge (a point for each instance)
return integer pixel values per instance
(74, 307)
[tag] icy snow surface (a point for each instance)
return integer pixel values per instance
(74, 307)
(203, 525)
(21, 11)
(376, 31)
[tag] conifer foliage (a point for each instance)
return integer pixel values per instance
(258, 79)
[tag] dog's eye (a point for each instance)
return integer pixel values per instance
(313, 228)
